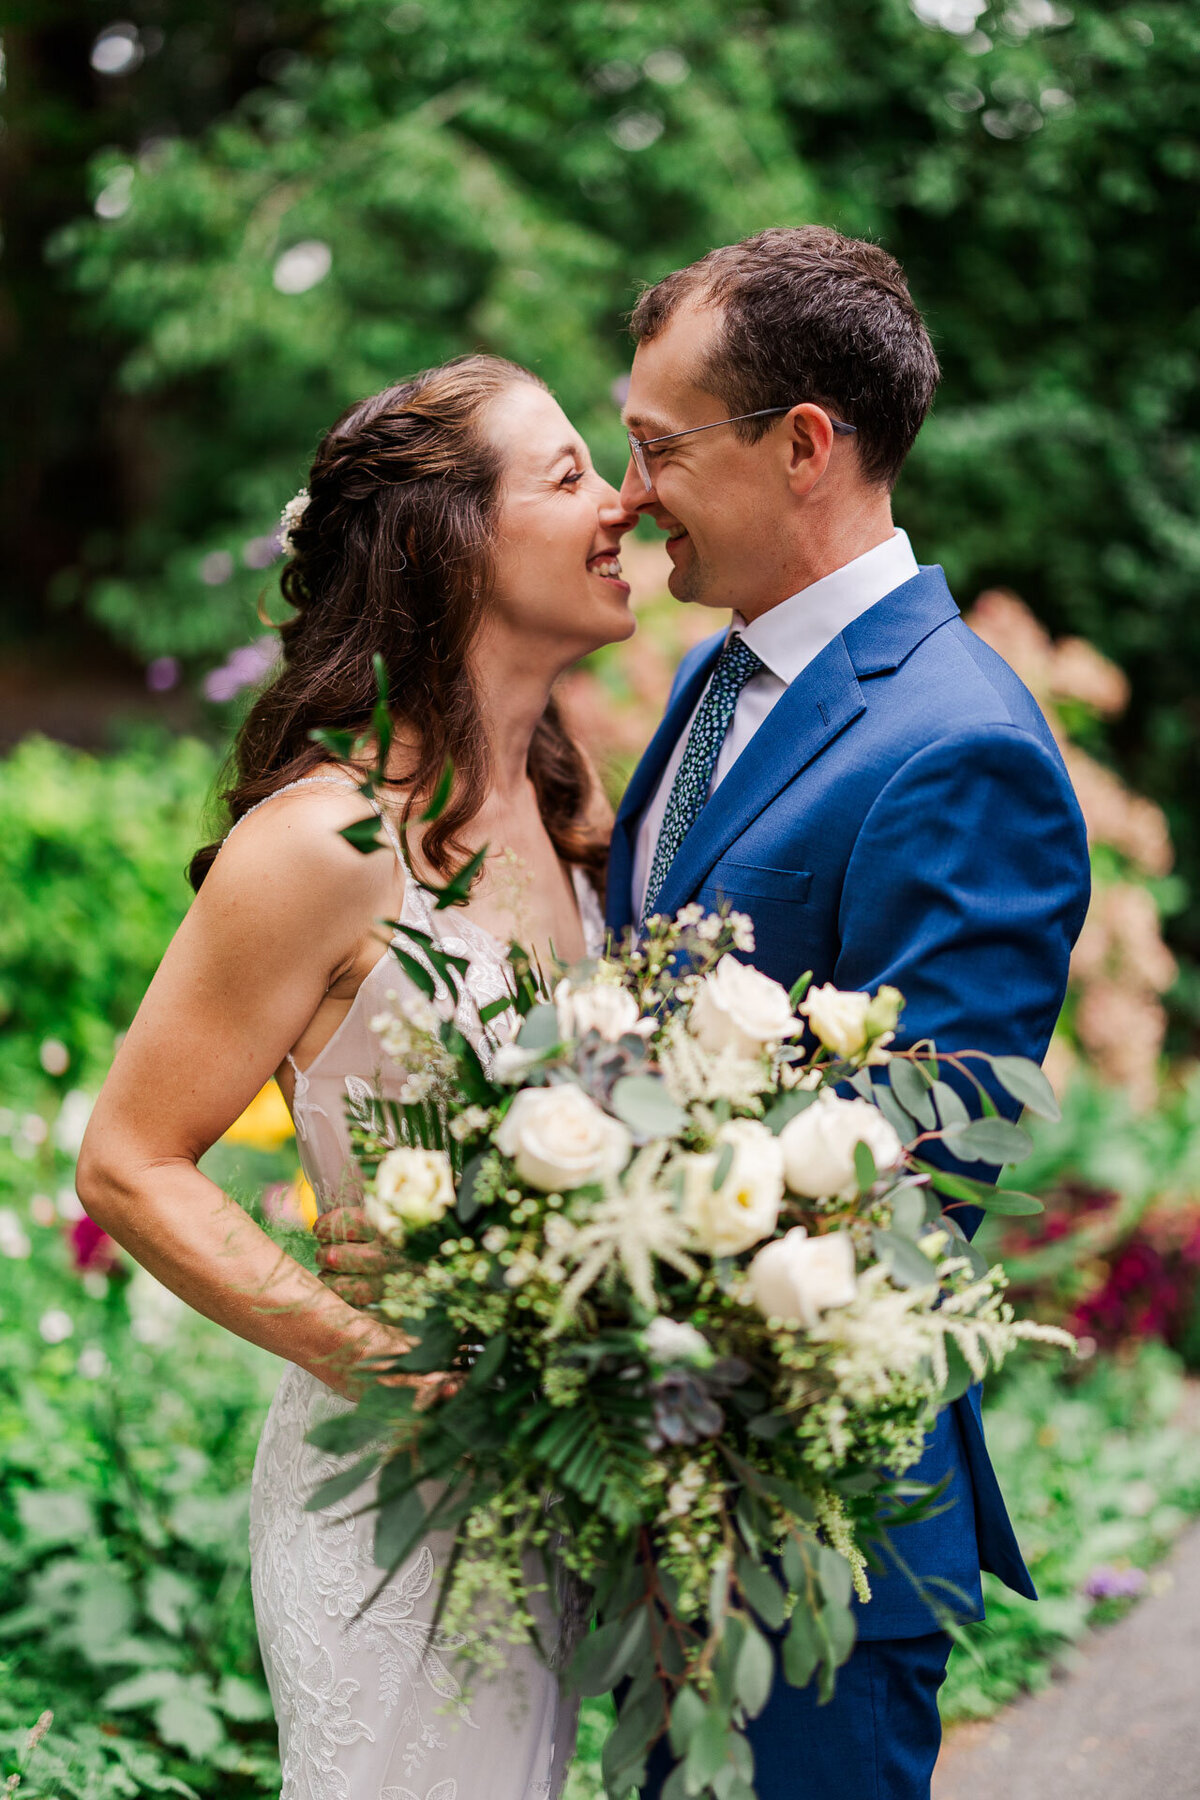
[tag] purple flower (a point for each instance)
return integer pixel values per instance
(1107, 1583)
(260, 552)
(162, 674)
(245, 667)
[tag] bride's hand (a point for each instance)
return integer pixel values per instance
(351, 1258)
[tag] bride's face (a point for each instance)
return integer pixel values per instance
(559, 530)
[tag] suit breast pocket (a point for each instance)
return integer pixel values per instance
(753, 881)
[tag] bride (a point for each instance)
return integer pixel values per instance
(456, 526)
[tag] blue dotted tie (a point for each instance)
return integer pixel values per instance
(734, 667)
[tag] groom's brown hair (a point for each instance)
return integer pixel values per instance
(810, 315)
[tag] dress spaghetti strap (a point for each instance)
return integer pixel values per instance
(389, 830)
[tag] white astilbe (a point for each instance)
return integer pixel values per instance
(883, 1335)
(632, 1225)
(886, 1334)
(693, 1074)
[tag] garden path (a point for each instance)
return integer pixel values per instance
(1122, 1722)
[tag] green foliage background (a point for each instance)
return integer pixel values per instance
(503, 173)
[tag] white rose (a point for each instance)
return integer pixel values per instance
(838, 1019)
(411, 1187)
(674, 1341)
(739, 1007)
(559, 1139)
(745, 1208)
(795, 1278)
(818, 1146)
(600, 1006)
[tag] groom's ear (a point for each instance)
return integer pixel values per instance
(809, 445)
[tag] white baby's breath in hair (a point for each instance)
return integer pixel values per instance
(289, 518)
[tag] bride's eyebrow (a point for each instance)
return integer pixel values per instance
(571, 450)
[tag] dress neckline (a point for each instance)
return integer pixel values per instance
(466, 930)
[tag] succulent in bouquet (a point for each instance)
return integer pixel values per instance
(675, 1235)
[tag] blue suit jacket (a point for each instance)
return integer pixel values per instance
(902, 815)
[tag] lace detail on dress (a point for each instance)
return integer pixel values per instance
(368, 1705)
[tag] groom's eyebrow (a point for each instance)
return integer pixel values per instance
(644, 427)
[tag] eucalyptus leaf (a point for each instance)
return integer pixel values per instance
(687, 1715)
(908, 1211)
(950, 1104)
(841, 1630)
(910, 1088)
(754, 1673)
(540, 1028)
(907, 1266)
(644, 1103)
(902, 1122)
(1026, 1082)
(836, 1579)
(786, 1107)
(959, 1376)
(761, 1591)
(989, 1141)
(801, 1648)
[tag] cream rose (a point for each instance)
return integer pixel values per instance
(853, 1025)
(410, 1188)
(559, 1139)
(795, 1278)
(838, 1019)
(818, 1146)
(600, 1006)
(739, 1008)
(745, 1208)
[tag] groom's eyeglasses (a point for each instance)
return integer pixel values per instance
(639, 446)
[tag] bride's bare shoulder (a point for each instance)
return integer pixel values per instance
(288, 851)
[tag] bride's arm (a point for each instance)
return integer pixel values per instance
(286, 907)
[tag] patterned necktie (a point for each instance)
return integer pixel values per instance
(734, 667)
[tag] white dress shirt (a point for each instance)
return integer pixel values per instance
(785, 639)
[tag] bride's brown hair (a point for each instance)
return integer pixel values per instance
(393, 554)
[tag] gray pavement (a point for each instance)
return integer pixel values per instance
(1122, 1723)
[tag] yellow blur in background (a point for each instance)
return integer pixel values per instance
(266, 1125)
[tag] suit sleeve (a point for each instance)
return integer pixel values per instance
(966, 889)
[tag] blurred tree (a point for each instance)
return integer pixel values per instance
(392, 183)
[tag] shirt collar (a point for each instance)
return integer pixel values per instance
(790, 635)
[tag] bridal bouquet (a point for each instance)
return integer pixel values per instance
(672, 1233)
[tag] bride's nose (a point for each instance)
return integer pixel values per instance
(613, 511)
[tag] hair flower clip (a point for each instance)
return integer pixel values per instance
(289, 518)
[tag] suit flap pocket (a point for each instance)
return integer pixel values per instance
(766, 883)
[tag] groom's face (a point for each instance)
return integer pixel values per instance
(716, 496)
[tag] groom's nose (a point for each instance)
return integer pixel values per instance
(635, 496)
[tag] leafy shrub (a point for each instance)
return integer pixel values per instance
(92, 858)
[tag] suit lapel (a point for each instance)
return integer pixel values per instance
(820, 704)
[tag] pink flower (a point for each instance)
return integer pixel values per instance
(92, 1250)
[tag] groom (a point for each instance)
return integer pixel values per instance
(852, 767)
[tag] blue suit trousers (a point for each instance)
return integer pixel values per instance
(877, 1739)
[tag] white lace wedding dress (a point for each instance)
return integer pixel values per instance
(368, 1703)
